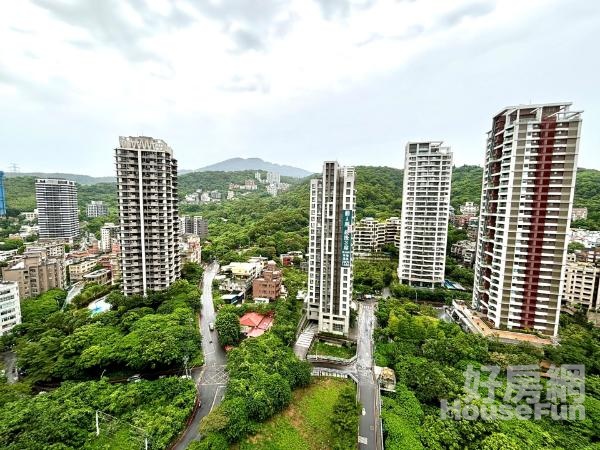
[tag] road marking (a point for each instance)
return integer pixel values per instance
(215, 399)
(363, 440)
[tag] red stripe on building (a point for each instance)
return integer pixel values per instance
(537, 229)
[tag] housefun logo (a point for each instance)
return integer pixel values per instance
(563, 389)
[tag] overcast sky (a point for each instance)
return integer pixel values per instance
(289, 81)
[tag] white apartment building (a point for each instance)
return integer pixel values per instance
(369, 236)
(273, 178)
(425, 213)
(469, 208)
(148, 214)
(10, 308)
(272, 189)
(526, 200)
(579, 213)
(580, 285)
(58, 213)
(330, 277)
(108, 232)
(96, 209)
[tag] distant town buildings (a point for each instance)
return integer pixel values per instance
(370, 235)
(58, 213)
(80, 268)
(190, 249)
(589, 238)
(287, 259)
(528, 183)
(30, 216)
(268, 285)
(330, 279)
(580, 285)
(148, 214)
(425, 212)
(579, 214)
(35, 272)
(96, 209)
(2, 196)
(241, 275)
(194, 225)
(272, 189)
(10, 307)
(249, 185)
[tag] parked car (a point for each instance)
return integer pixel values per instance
(134, 378)
(211, 326)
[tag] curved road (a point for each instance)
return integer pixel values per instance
(210, 379)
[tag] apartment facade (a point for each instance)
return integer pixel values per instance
(579, 214)
(526, 201)
(371, 235)
(148, 214)
(330, 277)
(35, 272)
(194, 225)
(268, 285)
(425, 213)
(581, 284)
(108, 232)
(10, 307)
(58, 213)
(469, 208)
(96, 209)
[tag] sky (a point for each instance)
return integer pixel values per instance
(290, 81)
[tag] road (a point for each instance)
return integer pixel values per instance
(75, 290)
(211, 379)
(368, 389)
(10, 366)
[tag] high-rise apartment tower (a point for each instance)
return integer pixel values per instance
(58, 213)
(332, 207)
(148, 214)
(526, 202)
(425, 213)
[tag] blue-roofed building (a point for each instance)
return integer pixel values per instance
(2, 195)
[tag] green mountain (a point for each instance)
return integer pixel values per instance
(252, 164)
(79, 179)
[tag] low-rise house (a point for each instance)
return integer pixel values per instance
(255, 324)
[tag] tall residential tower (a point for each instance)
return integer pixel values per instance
(332, 206)
(2, 196)
(148, 215)
(58, 213)
(425, 212)
(526, 202)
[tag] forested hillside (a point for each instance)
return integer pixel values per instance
(379, 194)
(20, 191)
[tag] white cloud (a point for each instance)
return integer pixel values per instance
(144, 62)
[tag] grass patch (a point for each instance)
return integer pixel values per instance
(325, 349)
(305, 424)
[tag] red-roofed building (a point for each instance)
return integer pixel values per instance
(255, 324)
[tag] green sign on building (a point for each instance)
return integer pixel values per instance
(346, 237)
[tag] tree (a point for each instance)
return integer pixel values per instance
(228, 327)
(574, 246)
(344, 420)
(192, 272)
